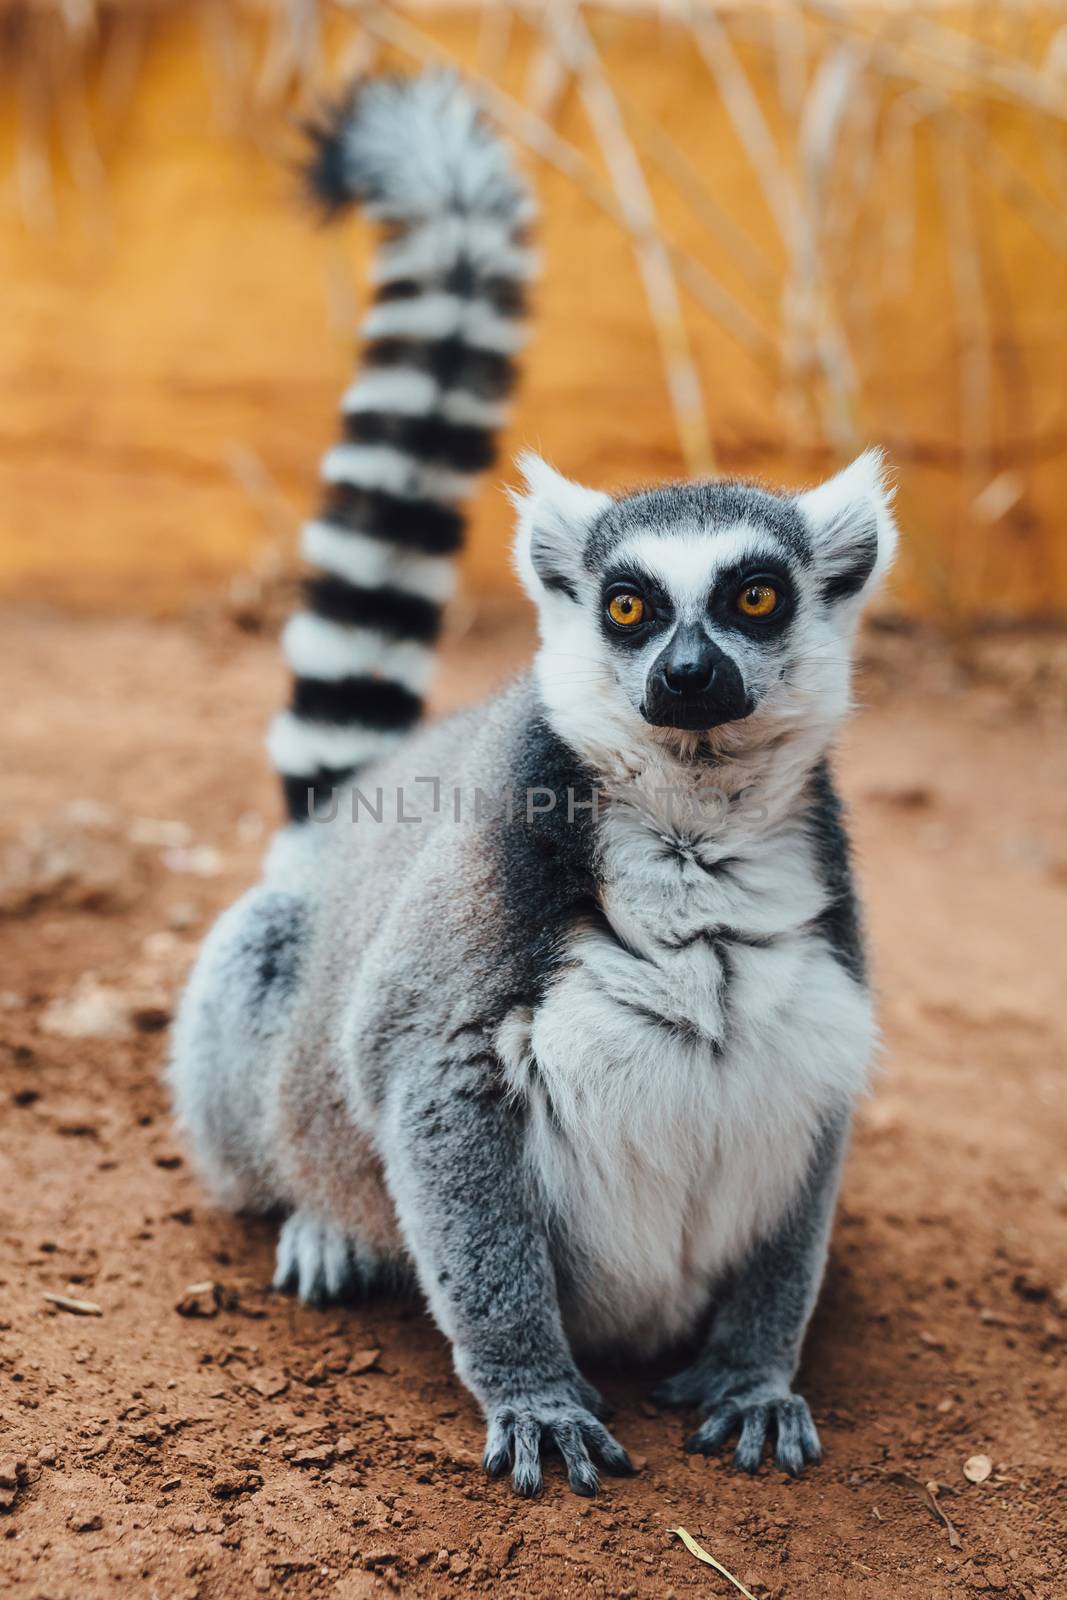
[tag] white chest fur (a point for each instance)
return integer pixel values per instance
(686, 1055)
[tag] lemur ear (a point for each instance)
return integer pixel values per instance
(852, 527)
(554, 517)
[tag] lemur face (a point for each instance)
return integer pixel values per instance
(699, 607)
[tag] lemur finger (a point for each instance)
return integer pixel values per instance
(749, 1452)
(581, 1473)
(336, 1264)
(526, 1471)
(713, 1431)
(789, 1448)
(496, 1457)
(809, 1434)
(607, 1447)
(310, 1286)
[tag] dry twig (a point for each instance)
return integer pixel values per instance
(79, 1308)
(930, 1500)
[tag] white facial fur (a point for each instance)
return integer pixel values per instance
(798, 681)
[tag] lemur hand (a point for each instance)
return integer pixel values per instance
(518, 1429)
(733, 1399)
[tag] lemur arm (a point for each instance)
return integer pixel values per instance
(743, 1378)
(454, 1165)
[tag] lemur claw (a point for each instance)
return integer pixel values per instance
(796, 1439)
(753, 1405)
(318, 1261)
(517, 1433)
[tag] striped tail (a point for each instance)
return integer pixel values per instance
(438, 364)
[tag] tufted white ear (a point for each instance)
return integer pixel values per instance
(852, 527)
(554, 517)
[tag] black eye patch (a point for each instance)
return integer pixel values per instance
(759, 570)
(658, 612)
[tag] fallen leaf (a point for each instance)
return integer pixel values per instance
(976, 1469)
(702, 1555)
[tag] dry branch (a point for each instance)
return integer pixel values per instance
(635, 201)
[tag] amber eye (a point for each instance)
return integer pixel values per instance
(626, 609)
(757, 600)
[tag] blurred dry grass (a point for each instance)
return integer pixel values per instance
(773, 233)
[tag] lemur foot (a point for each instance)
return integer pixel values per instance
(734, 1400)
(517, 1433)
(319, 1261)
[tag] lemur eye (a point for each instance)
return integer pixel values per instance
(757, 599)
(626, 609)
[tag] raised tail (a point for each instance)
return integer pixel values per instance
(437, 366)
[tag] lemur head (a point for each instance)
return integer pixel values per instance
(718, 612)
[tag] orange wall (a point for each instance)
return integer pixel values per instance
(192, 328)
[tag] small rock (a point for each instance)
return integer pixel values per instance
(200, 861)
(1027, 1287)
(498, 1549)
(150, 1018)
(85, 1521)
(904, 796)
(9, 1482)
(206, 1300)
(88, 1012)
(70, 860)
(182, 915)
(160, 833)
(268, 1384)
(261, 1579)
(363, 1360)
(976, 1469)
(236, 1483)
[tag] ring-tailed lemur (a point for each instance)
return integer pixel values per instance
(562, 1004)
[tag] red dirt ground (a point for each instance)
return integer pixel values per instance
(266, 1448)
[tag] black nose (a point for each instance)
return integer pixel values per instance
(689, 674)
(693, 684)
